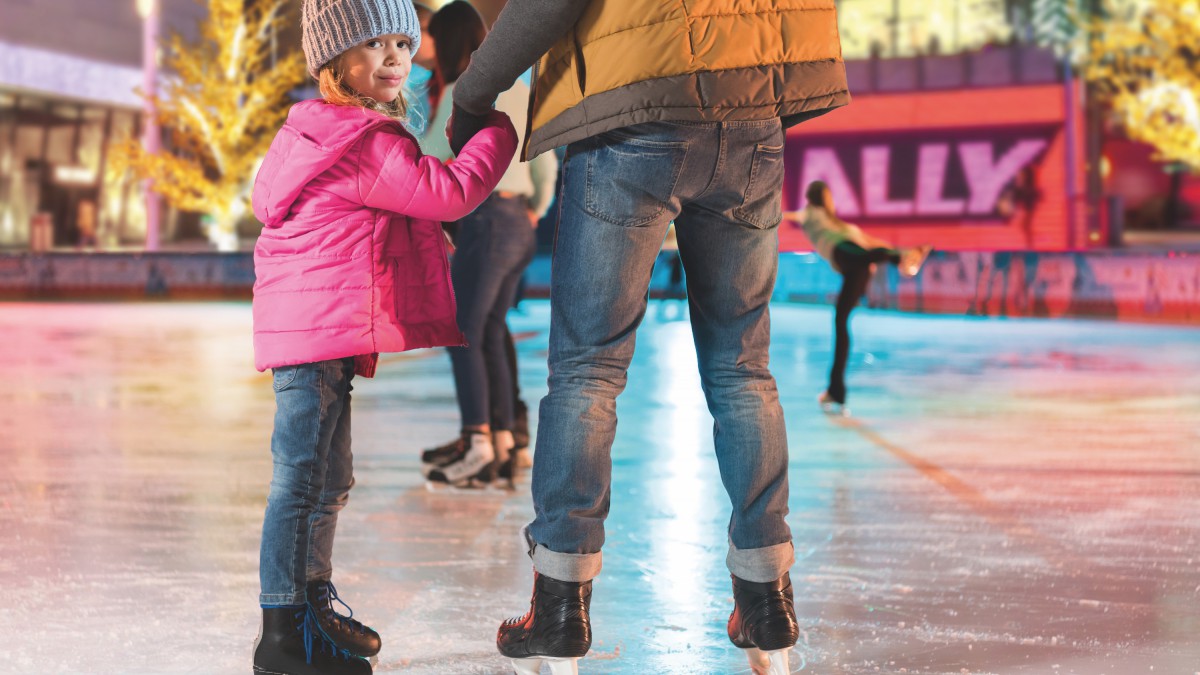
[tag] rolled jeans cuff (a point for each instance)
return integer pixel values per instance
(574, 567)
(281, 599)
(760, 565)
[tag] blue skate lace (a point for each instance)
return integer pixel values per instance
(313, 635)
(330, 592)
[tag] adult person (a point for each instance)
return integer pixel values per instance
(493, 246)
(668, 114)
(853, 254)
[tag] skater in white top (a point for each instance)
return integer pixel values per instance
(853, 254)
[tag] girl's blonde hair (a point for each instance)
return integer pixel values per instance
(336, 92)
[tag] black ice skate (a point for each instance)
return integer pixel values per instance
(912, 259)
(557, 628)
(291, 643)
(344, 631)
(472, 466)
(442, 454)
(521, 427)
(504, 469)
(764, 623)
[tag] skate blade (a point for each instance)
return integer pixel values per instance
(558, 665)
(774, 662)
(465, 488)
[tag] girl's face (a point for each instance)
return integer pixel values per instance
(377, 68)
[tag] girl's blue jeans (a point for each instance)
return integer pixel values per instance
(312, 477)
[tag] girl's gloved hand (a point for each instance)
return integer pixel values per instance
(462, 127)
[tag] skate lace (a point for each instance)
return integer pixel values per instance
(329, 593)
(515, 620)
(314, 638)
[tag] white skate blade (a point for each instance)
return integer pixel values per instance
(558, 665)
(774, 662)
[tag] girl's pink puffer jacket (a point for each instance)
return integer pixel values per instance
(352, 261)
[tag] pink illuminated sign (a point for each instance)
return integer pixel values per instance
(934, 175)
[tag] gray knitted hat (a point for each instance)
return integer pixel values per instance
(330, 27)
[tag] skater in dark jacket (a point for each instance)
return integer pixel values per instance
(853, 254)
(666, 117)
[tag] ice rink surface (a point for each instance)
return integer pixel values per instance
(1009, 497)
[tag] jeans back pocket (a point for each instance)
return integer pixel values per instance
(762, 204)
(630, 181)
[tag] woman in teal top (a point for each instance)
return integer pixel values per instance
(853, 254)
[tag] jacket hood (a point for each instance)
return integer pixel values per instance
(313, 139)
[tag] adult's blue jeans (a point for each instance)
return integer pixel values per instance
(313, 474)
(493, 247)
(721, 183)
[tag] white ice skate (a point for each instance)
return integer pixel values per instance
(768, 663)
(912, 259)
(475, 460)
(832, 407)
(567, 665)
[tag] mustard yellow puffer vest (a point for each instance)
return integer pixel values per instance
(633, 61)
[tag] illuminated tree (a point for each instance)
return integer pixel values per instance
(226, 95)
(1144, 58)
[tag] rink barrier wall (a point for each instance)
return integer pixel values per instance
(1140, 286)
(126, 276)
(1158, 287)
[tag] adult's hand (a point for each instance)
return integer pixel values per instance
(462, 127)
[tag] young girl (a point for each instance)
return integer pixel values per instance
(351, 262)
(853, 254)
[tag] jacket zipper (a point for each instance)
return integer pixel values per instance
(533, 80)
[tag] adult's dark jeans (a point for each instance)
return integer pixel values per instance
(854, 262)
(510, 347)
(493, 249)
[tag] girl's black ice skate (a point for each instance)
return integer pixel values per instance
(557, 629)
(292, 643)
(764, 623)
(344, 631)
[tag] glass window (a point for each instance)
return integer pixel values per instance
(117, 192)
(915, 27)
(63, 122)
(125, 206)
(26, 178)
(8, 162)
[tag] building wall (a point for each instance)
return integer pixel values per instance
(109, 31)
(946, 168)
(1157, 287)
(68, 74)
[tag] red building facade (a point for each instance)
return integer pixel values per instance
(962, 169)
